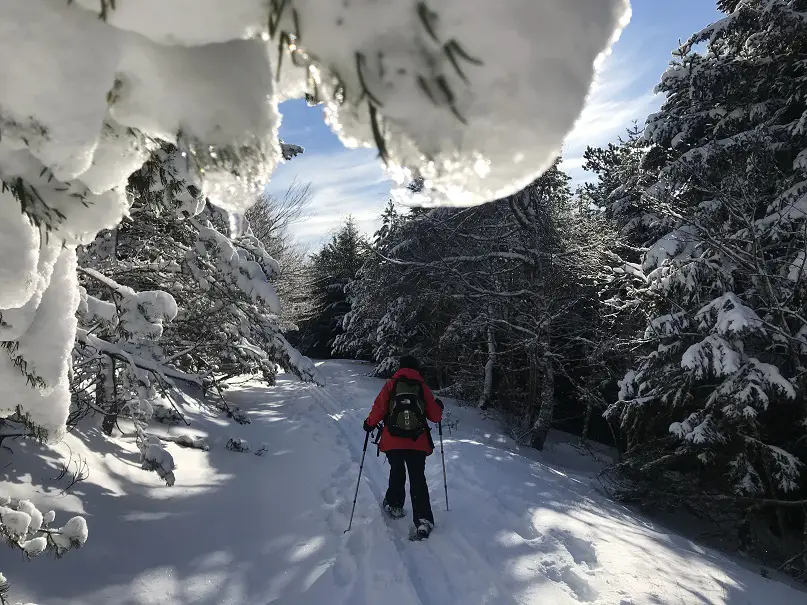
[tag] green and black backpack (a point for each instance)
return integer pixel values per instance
(407, 409)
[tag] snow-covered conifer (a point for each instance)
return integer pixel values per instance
(721, 387)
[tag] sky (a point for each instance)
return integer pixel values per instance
(352, 182)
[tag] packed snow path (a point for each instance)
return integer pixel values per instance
(524, 528)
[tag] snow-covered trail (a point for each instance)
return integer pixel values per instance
(521, 530)
(524, 528)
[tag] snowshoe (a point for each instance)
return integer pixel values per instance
(421, 530)
(396, 512)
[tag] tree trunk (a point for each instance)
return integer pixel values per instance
(540, 429)
(532, 390)
(105, 398)
(487, 391)
(586, 422)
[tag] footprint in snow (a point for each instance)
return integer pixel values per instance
(357, 541)
(344, 570)
(579, 585)
(582, 550)
(337, 522)
(329, 496)
(581, 588)
(342, 469)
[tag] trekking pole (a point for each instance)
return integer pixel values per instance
(356, 495)
(443, 456)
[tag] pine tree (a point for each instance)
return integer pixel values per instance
(171, 297)
(333, 266)
(719, 393)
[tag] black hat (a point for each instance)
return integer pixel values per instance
(408, 361)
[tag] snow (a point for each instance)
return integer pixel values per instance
(667, 325)
(32, 511)
(168, 90)
(677, 244)
(186, 22)
(73, 533)
(526, 528)
(729, 316)
(76, 214)
(14, 522)
(476, 96)
(35, 546)
(19, 249)
(120, 152)
(713, 356)
(45, 348)
(142, 315)
(798, 268)
(73, 56)
(697, 429)
(156, 458)
(247, 275)
(93, 310)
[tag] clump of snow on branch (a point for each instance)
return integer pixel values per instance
(36, 339)
(245, 274)
(434, 86)
(154, 457)
(24, 526)
(139, 315)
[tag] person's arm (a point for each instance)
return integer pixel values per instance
(380, 406)
(433, 411)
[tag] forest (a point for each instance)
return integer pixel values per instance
(660, 308)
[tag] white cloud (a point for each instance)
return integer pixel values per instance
(344, 182)
(617, 98)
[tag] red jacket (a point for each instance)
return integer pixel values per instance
(381, 407)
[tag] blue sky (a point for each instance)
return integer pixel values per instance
(351, 181)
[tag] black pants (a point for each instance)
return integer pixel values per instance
(415, 462)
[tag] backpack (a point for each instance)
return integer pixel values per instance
(407, 409)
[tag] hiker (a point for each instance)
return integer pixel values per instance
(404, 404)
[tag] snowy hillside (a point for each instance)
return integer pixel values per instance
(524, 528)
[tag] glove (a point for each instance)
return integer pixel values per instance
(440, 403)
(369, 428)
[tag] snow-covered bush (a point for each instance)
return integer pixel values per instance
(237, 445)
(237, 414)
(115, 371)
(24, 526)
(166, 415)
